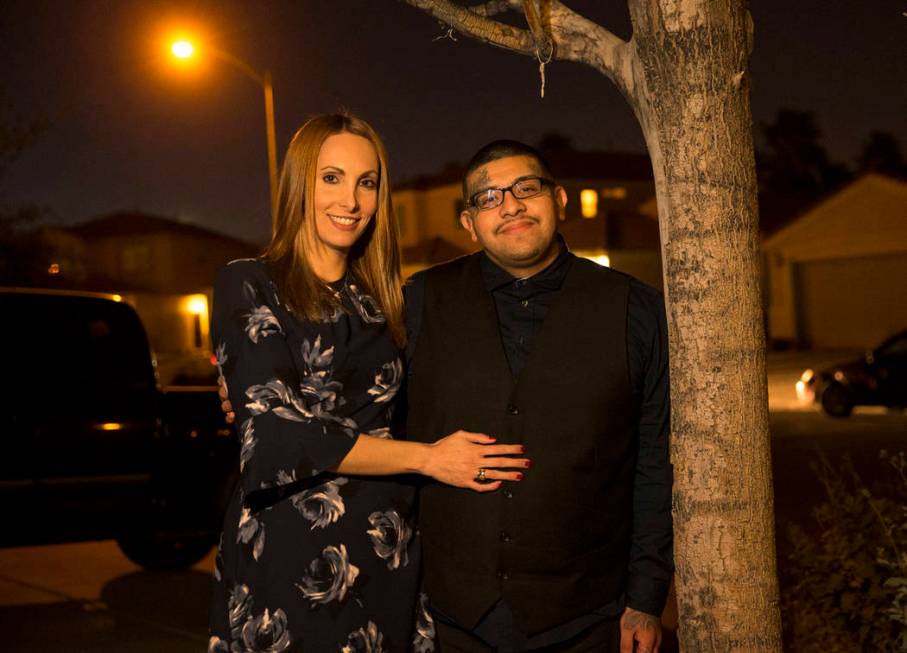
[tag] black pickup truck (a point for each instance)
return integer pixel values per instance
(92, 447)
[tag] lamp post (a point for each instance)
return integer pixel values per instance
(185, 49)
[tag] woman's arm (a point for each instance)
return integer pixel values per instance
(281, 444)
(444, 460)
(455, 459)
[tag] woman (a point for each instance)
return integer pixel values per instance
(319, 551)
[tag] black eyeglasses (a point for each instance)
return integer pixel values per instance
(521, 190)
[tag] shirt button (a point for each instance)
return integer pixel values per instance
(503, 575)
(525, 303)
(505, 537)
(513, 410)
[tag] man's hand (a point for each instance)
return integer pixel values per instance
(225, 404)
(639, 632)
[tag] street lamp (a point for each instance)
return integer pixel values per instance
(183, 49)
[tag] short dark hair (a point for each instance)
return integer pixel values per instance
(503, 149)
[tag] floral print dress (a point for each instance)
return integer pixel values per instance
(310, 560)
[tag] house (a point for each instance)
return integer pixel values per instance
(603, 221)
(164, 268)
(836, 277)
(148, 253)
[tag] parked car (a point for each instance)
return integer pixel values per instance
(877, 379)
(92, 446)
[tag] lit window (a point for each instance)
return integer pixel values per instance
(599, 256)
(601, 259)
(588, 201)
(197, 307)
(197, 304)
(614, 193)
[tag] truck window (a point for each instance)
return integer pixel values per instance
(79, 354)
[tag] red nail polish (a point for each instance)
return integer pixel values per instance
(528, 464)
(522, 449)
(519, 476)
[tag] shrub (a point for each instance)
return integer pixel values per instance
(847, 573)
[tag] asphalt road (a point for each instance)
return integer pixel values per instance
(88, 597)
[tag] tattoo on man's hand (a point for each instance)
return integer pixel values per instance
(639, 620)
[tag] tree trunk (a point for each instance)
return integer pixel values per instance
(692, 99)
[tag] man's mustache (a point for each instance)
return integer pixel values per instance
(504, 225)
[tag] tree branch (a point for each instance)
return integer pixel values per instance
(544, 46)
(490, 8)
(476, 26)
(575, 37)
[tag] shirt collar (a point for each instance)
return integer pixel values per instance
(550, 278)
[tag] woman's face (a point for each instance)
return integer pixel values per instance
(346, 190)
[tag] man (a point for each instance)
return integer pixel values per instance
(529, 343)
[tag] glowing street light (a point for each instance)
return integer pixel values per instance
(184, 49)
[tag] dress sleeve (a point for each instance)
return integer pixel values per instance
(284, 438)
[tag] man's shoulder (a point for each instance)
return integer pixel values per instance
(639, 293)
(601, 274)
(444, 270)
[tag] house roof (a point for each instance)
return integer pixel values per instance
(133, 223)
(866, 217)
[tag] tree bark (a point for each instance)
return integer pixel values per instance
(691, 90)
(685, 74)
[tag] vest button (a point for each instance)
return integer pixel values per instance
(508, 494)
(513, 410)
(505, 537)
(503, 575)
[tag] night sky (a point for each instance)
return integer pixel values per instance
(127, 130)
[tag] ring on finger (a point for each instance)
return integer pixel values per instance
(481, 475)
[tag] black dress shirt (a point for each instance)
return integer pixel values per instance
(522, 305)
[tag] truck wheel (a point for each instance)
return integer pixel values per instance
(836, 401)
(165, 551)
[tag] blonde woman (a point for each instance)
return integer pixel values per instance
(319, 550)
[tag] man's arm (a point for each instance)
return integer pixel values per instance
(651, 550)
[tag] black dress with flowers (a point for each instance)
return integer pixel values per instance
(310, 560)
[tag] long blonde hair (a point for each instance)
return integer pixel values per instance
(374, 260)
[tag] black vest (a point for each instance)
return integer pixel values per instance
(555, 545)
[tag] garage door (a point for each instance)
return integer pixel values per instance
(855, 302)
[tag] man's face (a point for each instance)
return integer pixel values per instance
(520, 234)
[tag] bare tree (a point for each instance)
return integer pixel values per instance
(684, 72)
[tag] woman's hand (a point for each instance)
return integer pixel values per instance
(457, 459)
